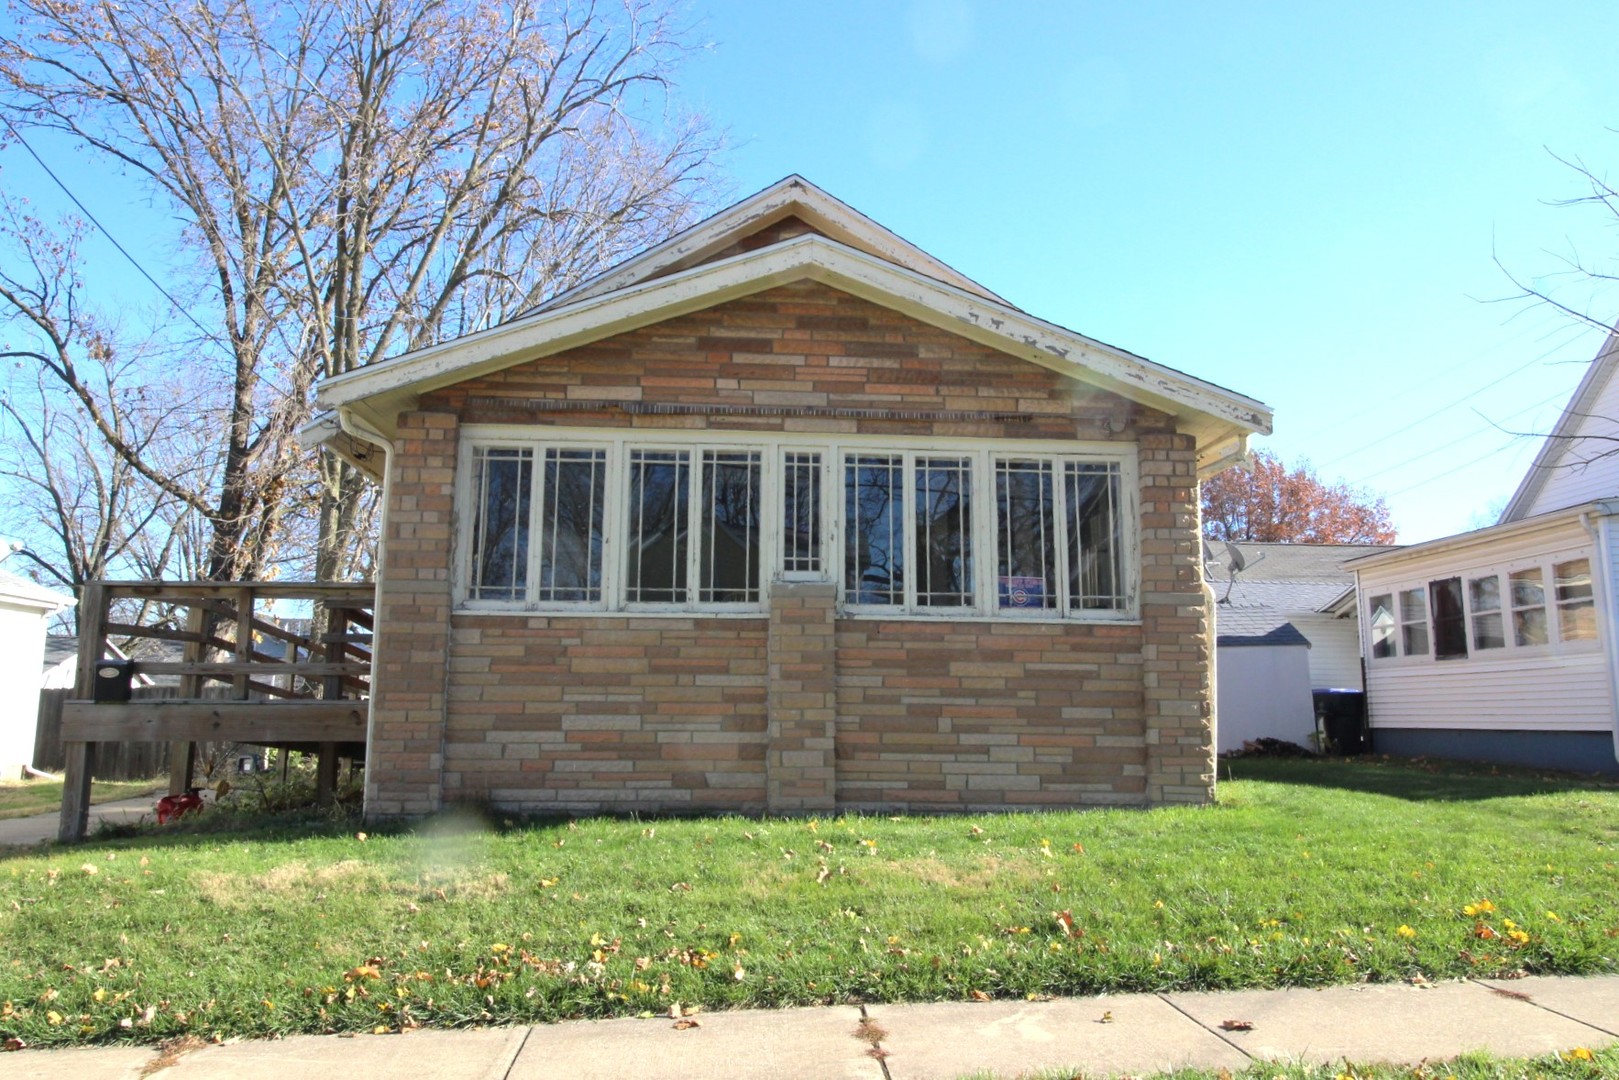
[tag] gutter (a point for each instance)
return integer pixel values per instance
(1480, 536)
(1601, 532)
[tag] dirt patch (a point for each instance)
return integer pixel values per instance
(984, 873)
(292, 879)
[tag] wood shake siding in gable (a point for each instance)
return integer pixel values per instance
(794, 710)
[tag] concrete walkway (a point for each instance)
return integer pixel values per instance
(32, 830)
(1134, 1033)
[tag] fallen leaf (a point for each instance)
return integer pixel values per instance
(685, 1025)
(1107, 1017)
(14, 1043)
(1236, 1025)
(979, 995)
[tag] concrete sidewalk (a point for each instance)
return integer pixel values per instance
(41, 827)
(1135, 1033)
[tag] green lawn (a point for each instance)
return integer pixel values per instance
(1306, 873)
(25, 798)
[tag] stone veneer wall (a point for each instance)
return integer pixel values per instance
(793, 710)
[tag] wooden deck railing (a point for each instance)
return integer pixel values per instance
(244, 676)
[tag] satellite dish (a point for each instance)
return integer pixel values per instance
(1208, 552)
(1239, 561)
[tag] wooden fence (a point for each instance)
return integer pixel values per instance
(128, 760)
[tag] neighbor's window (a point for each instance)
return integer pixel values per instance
(1094, 536)
(801, 514)
(1449, 620)
(1414, 622)
(1484, 594)
(502, 481)
(572, 501)
(1026, 535)
(1380, 618)
(1529, 606)
(1576, 603)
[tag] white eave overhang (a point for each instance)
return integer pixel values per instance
(1219, 419)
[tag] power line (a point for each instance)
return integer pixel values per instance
(1406, 462)
(104, 232)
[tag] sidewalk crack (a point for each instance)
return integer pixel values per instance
(512, 1064)
(1518, 995)
(868, 1031)
(1212, 1031)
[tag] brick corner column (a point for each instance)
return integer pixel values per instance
(404, 766)
(1177, 692)
(800, 755)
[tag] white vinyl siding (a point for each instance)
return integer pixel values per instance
(1583, 468)
(1334, 651)
(1561, 685)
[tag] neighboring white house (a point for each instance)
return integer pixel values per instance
(1499, 644)
(25, 608)
(1286, 627)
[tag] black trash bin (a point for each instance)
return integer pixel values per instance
(113, 680)
(1340, 717)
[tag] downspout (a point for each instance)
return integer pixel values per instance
(358, 428)
(1601, 533)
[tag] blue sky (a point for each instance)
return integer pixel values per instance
(1301, 202)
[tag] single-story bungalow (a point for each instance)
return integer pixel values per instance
(1500, 644)
(786, 515)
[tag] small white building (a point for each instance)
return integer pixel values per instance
(1500, 644)
(1285, 628)
(25, 609)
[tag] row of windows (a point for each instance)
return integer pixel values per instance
(1445, 621)
(697, 528)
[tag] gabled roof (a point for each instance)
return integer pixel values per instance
(1215, 416)
(1565, 435)
(790, 197)
(1247, 626)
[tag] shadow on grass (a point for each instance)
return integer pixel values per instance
(1414, 779)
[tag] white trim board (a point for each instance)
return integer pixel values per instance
(1211, 413)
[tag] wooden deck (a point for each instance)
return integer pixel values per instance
(244, 676)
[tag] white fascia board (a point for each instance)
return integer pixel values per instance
(25, 594)
(816, 258)
(792, 196)
(1577, 409)
(1490, 534)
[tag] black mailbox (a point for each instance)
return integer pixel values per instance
(113, 680)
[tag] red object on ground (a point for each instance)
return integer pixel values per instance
(174, 807)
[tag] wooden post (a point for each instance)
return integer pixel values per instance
(326, 774)
(244, 637)
(183, 755)
(81, 756)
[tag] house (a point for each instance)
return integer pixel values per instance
(1499, 644)
(1286, 628)
(25, 609)
(785, 514)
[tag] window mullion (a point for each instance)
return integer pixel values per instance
(695, 504)
(615, 520)
(907, 518)
(536, 530)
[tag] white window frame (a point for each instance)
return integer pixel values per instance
(1555, 643)
(772, 448)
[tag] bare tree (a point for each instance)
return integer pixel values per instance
(357, 178)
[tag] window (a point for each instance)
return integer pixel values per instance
(874, 529)
(574, 497)
(944, 539)
(1449, 621)
(503, 480)
(1094, 536)
(1380, 619)
(801, 514)
(703, 521)
(1529, 606)
(1413, 622)
(1484, 595)
(1576, 602)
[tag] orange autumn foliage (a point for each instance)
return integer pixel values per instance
(1269, 503)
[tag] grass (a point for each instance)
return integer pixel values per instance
(1306, 873)
(1577, 1063)
(25, 798)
